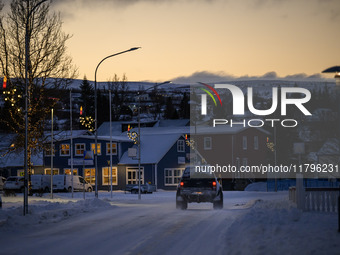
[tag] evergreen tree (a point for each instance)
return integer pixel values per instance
(87, 105)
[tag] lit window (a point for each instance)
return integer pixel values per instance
(106, 176)
(48, 171)
(80, 148)
(90, 175)
(68, 171)
(114, 149)
(180, 146)
(99, 148)
(64, 150)
(48, 150)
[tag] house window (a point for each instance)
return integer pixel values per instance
(80, 148)
(99, 148)
(106, 176)
(114, 149)
(68, 171)
(244, 142)
(256, 142)
(207, 143)
(132, 175)
(90, 175)
(180, 146)
(64, 150)
(21, 172)
(48, 150)
(48, 171)
(172, 176)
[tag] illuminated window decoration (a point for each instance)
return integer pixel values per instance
(87, 122)
(132, 136)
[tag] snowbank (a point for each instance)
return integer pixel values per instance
(42, 212)
(257, 186)
(277, 227)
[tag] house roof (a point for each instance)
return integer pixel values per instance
(153, 148)
(16, 159)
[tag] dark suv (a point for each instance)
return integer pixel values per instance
(198, 187)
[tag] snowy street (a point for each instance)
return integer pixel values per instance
(251, 222)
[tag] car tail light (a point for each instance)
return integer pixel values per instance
(182, 184)
(214, 184)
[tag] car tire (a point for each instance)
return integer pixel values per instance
(134, 191)
(69, 189)
(182, 205)
(218, 205)
(46, 190)
(89, 190)
(22, 189)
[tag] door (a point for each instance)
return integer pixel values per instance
(132, 176)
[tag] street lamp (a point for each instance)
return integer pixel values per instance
(29, 13)
(95, 113)
(139, 135)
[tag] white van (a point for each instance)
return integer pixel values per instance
(40, 183)
(64, 183)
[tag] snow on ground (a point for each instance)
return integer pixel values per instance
(250, 223)
(257, 186)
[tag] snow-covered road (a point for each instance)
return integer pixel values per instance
(124, 225)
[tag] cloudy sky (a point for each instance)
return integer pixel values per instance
(200, 38)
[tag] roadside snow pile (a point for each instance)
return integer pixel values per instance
(277, 227)
(257, 186)
(49, 212)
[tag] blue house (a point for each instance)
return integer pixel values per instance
(164, 155)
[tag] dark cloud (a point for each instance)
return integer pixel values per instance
(211, 77)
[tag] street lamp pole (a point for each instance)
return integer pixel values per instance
(27, 29)
(96, 119)
(139, 135)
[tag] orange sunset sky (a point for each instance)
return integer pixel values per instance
(214, 37)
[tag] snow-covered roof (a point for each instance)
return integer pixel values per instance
(172, 123)
(330, 147)
(153, 148)
(221, 129)
(16, 159)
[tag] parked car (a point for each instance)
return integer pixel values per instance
(198, 187)
(40, 183)
(14, 184)
(144, 188)
(64, 183)
(2, 181)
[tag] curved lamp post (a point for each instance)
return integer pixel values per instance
(95, 113)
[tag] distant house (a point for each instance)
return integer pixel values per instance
(234, 146)
(11, 162)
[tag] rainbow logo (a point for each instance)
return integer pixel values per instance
(209, 93)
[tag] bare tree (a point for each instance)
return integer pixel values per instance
(119, 89)
(49, 68)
